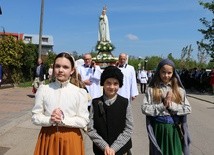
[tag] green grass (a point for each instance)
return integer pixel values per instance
(29, 83)
(25, 84)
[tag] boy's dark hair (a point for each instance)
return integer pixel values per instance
(112, 72)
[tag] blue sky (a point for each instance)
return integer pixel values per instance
(137, 27)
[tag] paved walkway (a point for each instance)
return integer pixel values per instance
(207, 97)
(18, 135)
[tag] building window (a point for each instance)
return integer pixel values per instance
(45, 40)
(28, 39)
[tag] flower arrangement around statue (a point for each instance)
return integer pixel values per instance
(104, 46)
(105, 57)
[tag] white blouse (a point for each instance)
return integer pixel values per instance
(72, 100)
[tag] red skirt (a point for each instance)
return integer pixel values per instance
(59, 141)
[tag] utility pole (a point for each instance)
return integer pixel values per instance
(41, 28)
(0, 11)
(3, 35)
(3, 29)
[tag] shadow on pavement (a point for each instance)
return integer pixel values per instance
(31, 96)
(4, 150)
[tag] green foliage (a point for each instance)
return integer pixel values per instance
(153, 62)
(75, 55)
(50, 58)
(186, 60)
(28, 58)
(210, 64)
(134, 62)
(16, 76)
(170, 57)
(29, 83)
(25, 84)
(93, 54)
(208, 40)
(104, 46)
(11, 52)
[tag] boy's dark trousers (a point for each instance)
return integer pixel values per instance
(143, 87)
(128, 153)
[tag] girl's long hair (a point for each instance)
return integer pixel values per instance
(155, 83)
(77, 80)
(157, 95)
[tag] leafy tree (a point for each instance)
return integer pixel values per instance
(50, 58)
(93, 54)
(28, 59)
(153, 62)
(134, 62)
(210, 65)
(75, 55)
(202, 57)
(11, 52)
(176, 61)
(170, 56)
(186, 58)
(208, 40)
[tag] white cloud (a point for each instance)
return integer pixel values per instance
(132, 37)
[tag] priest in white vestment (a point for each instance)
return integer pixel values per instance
(90, 74)
(129, 89)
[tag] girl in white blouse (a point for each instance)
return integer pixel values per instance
(61, 109)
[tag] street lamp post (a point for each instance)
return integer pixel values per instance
(139, 64)
(145, 63)
(40, 28)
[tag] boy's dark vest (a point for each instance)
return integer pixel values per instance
(113, 124)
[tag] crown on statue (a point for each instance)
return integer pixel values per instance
(104, 8)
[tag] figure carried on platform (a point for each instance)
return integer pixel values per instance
(104, 35)
(104, 47)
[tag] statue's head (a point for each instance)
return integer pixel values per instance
(104, 10)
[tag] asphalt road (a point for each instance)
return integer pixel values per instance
(18, 135)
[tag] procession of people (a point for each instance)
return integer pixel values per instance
(87, 99)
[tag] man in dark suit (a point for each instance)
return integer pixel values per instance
(39, 75)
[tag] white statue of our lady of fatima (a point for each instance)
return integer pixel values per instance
(104, 35)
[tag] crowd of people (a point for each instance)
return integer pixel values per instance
(89, 100)
(200, 80)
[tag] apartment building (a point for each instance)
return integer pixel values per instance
(47, 40)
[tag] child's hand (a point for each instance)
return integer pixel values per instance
(57, 116)
(168, 99)
(106, 151)
(109, 151)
